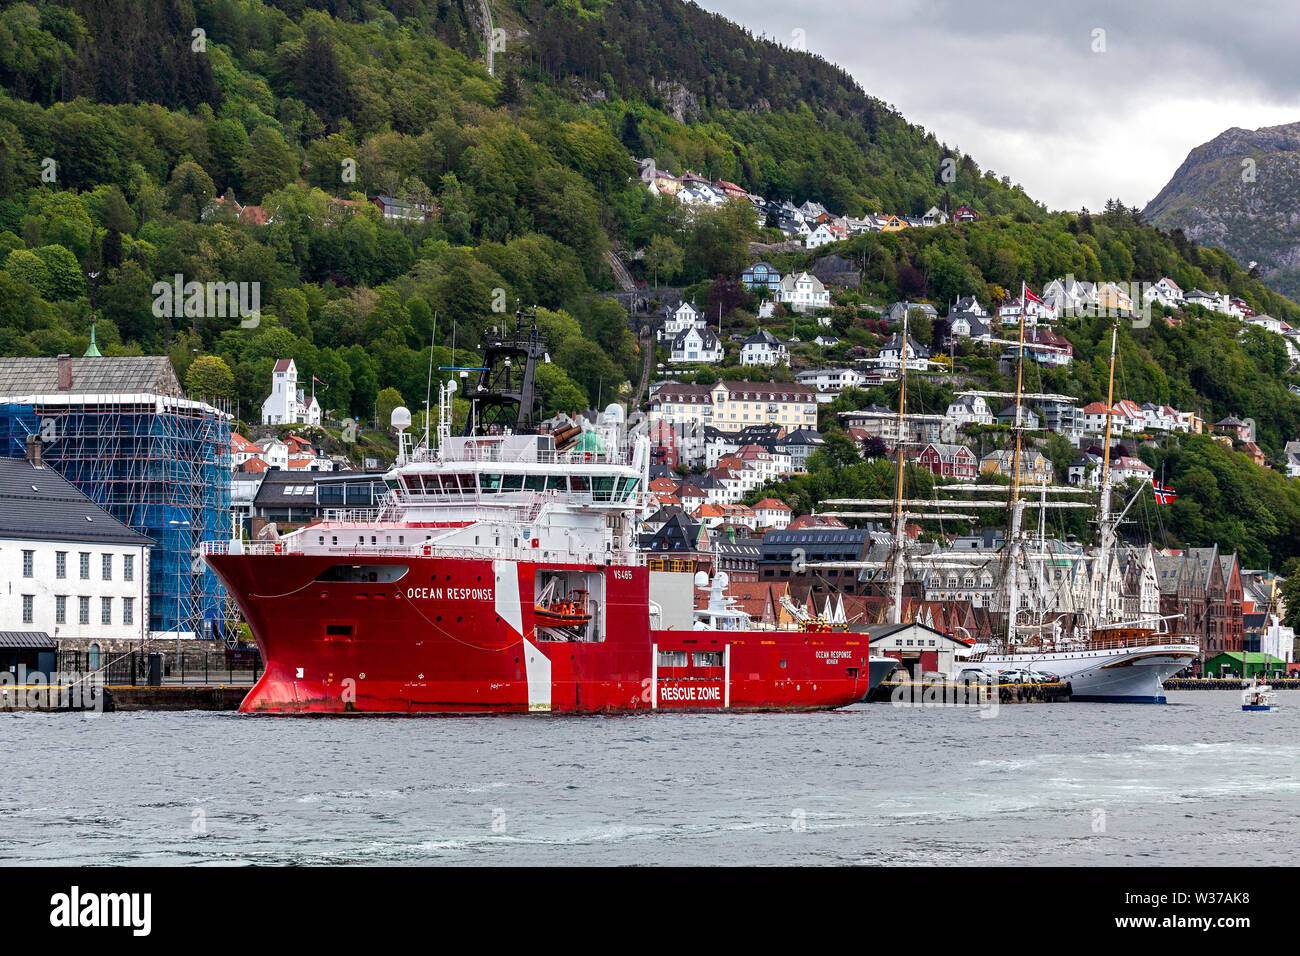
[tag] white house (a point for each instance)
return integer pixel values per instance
(763, 348)
(934, 216)
(918, 355)
(1166, 292)
(969, 410)
(287, 405)
(1266, 322)
(831, 379)
(1124, 468)
(696, 345)
(968, 325)
(71, 569)
(803, 292)
(772, 513)
(1292, 452)
(677, 321)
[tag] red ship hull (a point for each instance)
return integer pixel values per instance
(457, 636)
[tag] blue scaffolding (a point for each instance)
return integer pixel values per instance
(160, 465)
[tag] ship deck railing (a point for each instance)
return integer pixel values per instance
(1068, 646)
(493, 452)
(296, 547)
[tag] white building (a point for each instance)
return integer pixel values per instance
(803, 292)
(684, 317)
(72, 570)
(698, 345)
(287, 405)
(969, 410)
(763, 348)
(831, 379)
(1166, 292)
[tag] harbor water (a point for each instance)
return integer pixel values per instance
(1196, 781)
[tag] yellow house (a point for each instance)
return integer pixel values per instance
(893, 224)
(1034, 468)
(1114, 300)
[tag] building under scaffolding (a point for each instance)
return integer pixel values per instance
(122, 430)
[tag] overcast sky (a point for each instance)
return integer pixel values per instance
(1031, 90)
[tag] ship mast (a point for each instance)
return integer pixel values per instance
(1013, 531)
(1105, 524)
(900, 516)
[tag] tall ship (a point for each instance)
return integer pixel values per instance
(1100, 654)
(501, 574)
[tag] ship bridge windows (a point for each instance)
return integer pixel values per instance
(490, 484)
(512, 482)
(602, 488)
(364, 573)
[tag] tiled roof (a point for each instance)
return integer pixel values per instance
(40, 504)
(20, 377)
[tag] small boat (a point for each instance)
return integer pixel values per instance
(570, 612)
(1257, 696)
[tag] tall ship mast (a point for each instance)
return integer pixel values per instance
(1101, 656)
(501, 574)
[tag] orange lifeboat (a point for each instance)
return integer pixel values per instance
(568, 613)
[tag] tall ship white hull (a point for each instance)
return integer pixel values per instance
(1113, 675)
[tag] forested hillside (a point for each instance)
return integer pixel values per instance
(121, 123)
(246, 141)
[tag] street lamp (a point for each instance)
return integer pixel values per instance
(178, 525)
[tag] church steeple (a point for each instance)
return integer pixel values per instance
(93, 351)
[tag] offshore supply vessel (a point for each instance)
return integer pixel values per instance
(501, 574)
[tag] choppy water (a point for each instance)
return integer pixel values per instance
(1196, 781)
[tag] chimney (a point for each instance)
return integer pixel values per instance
(34, 450)
(65, 373)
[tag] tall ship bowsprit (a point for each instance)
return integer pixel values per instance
(501, 574)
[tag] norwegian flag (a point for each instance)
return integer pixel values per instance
(1030, 297)
(1165, 494)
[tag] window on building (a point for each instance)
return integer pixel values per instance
(60, 609)
(60, 564)
(106, 610)
(29, 558)
(83, 609)
(28, 602)
(85, 565)
(128, 567)
(106, 567)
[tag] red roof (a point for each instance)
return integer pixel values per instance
(254, 465)
(771, 504)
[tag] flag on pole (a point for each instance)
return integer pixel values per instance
(1030, 297)
(1165, 494)
(321, 381)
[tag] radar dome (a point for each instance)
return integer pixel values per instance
(614, 413)
(401, 417)
(701, 579)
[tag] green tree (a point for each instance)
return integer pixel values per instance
(210, 377)
(664, 256)
(269, 165)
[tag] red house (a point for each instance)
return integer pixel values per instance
(948, 461)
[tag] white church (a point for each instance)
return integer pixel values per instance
(287, 405)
